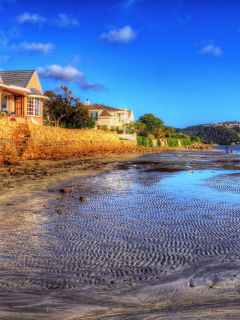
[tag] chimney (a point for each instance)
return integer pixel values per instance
(87, 103)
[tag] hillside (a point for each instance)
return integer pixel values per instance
(221, 135)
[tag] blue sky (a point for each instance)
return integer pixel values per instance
(179, 60)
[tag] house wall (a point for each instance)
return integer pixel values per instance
(35, 83)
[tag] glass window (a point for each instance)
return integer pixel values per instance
(34, 107)
(5, 103)
(94, 115)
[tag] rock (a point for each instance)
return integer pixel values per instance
(11, 170)
(63, 191)
(48, 174)
(82, 199)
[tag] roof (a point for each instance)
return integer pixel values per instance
(105, 114)
(18, 78)
(35, 91)
(100, 107)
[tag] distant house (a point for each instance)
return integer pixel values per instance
(108, 117)
(21, 96)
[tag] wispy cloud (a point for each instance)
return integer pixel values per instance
(121, 36)
(62, 20)
(212, 50)
(127, 4)
(4, 58)
(34, 47)
(67, 74)
(30, 18)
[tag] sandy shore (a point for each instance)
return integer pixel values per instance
(132, 238)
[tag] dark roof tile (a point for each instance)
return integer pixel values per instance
(101, 107)
(18, 78)
(35, 91)
(105, 114)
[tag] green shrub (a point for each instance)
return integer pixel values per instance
(145, 141)
(196, 139)
(139, 141)
(159, 143)
(130, 131)
(150, 142)
(172, 142)
(120, 131)
(186, 142)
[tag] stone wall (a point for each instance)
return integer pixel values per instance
(30, 141)
(7, 147)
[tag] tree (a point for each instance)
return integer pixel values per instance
(151, 121)
(58, 106)
(67, 111)
(79, 118)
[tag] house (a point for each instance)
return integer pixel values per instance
(108, 117)
(21, 96)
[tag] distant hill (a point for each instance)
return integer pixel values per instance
(221, 134)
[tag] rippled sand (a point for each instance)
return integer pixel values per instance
(145, 243)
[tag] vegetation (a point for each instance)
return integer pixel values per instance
(150, 142)
(196, 140)
(144, 141)
(159, 143)
(186, 142)
(172, 142)
(151, 122)
(219, 135)
(66, 111)
(139, 141)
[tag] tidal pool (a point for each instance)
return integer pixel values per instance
(141, 237)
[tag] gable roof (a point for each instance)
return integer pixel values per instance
(105, 114)
(35, 91)
(18, 78)
(100, 107)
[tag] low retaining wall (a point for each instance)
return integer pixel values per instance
(30, 141)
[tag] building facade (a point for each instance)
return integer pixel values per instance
(108, 117)
(21, 97)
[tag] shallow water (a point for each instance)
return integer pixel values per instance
(134, 226)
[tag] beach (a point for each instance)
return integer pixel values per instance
(122, 237)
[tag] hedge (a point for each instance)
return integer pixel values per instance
(172, 142)
(145, 141)
(150, 142)
(139, 141)
(186, 142)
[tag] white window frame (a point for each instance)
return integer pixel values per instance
(36, 107)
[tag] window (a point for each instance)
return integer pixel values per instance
(94, 115)
(5, 103)
(34, 107)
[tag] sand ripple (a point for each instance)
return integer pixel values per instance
(130, 227)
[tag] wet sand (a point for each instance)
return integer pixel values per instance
(154, 237)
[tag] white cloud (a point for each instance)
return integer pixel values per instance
(32, 18)
(34, 47)
(124, 35)
(67, 74)
(63, 20)
(212, 50)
